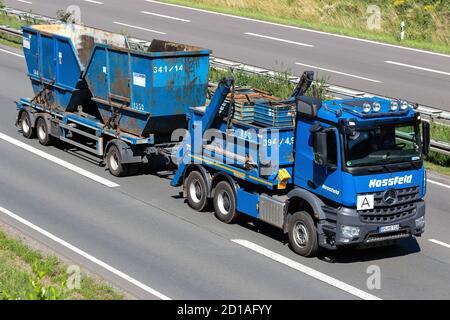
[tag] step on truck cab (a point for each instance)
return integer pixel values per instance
(328, 173)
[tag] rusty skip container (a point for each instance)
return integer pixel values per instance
(56, 57)
(142, 92)
(148, 92)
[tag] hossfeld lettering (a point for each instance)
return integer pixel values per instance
(397, 181)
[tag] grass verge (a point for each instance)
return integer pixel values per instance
(7, 39)
(26, 274)
(427, 22)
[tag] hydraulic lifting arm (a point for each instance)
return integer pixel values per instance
(223, 89)
(303, 85)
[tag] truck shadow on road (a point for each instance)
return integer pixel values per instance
(403, 247)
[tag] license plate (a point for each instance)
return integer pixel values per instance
(395, 227)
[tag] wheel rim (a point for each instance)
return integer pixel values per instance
(224, 203)
(25, 126)
(41, 132)
(301, 235)
(196, 191)
(114, 162)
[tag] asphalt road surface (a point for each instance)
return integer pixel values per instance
(416, 75)
(146, 238)
(139, 234)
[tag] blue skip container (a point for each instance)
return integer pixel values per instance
(56, 57)
(148, 92)
(141, 92)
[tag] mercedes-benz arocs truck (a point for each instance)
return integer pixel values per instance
(329, 173)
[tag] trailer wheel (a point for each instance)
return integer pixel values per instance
(225, 202)
(43, 132)
(114, 162)
(25, 124)
(303, 234)
(196, 191)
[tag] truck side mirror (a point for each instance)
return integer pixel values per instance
(426, 138)
(320, 148)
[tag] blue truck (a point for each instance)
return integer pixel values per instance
(328, 173)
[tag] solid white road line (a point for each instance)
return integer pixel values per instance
(440, 243)
(12, 53)
(58, 161)
(137, 27)
(94, 2)
(164, 16)
(306, 270)
(301, 29)
(278, 39)
(439, 184)
(418, 68)
(337, 72)
(84, 254)
(27, 2)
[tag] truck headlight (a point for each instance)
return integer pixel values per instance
(420, 222)
(404, 105)
(350, 232)
(394, 106)
(376, 106)
(366, 107)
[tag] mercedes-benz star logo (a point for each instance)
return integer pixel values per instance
(390, 197)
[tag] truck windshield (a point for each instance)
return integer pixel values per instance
(383, 144)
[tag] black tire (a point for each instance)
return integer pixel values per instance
(25, 125)
(114, 162)
(225, 202)
(43, 133)
(303, 234)
(196, 191)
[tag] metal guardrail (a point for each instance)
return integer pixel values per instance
(10, 31)
(431, 113)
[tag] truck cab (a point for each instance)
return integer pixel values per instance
(361, 161)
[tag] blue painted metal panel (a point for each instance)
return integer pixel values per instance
(53, 65)
(247, 203)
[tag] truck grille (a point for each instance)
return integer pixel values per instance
(403, 208)
(387, 237)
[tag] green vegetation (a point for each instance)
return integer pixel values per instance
(279, 86)
(28, 274)
(439, 162)
(12, 22)
(440, 132)
(427, 22)
(438, 168)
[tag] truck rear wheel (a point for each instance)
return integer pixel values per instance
(43, 132)
(25, 124)
(114, 162)
(225, 202)
(303, 234)
(196, 190)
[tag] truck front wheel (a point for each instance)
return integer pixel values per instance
(303, 234)
(225, 202)
(25, 124)
(196, 191)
